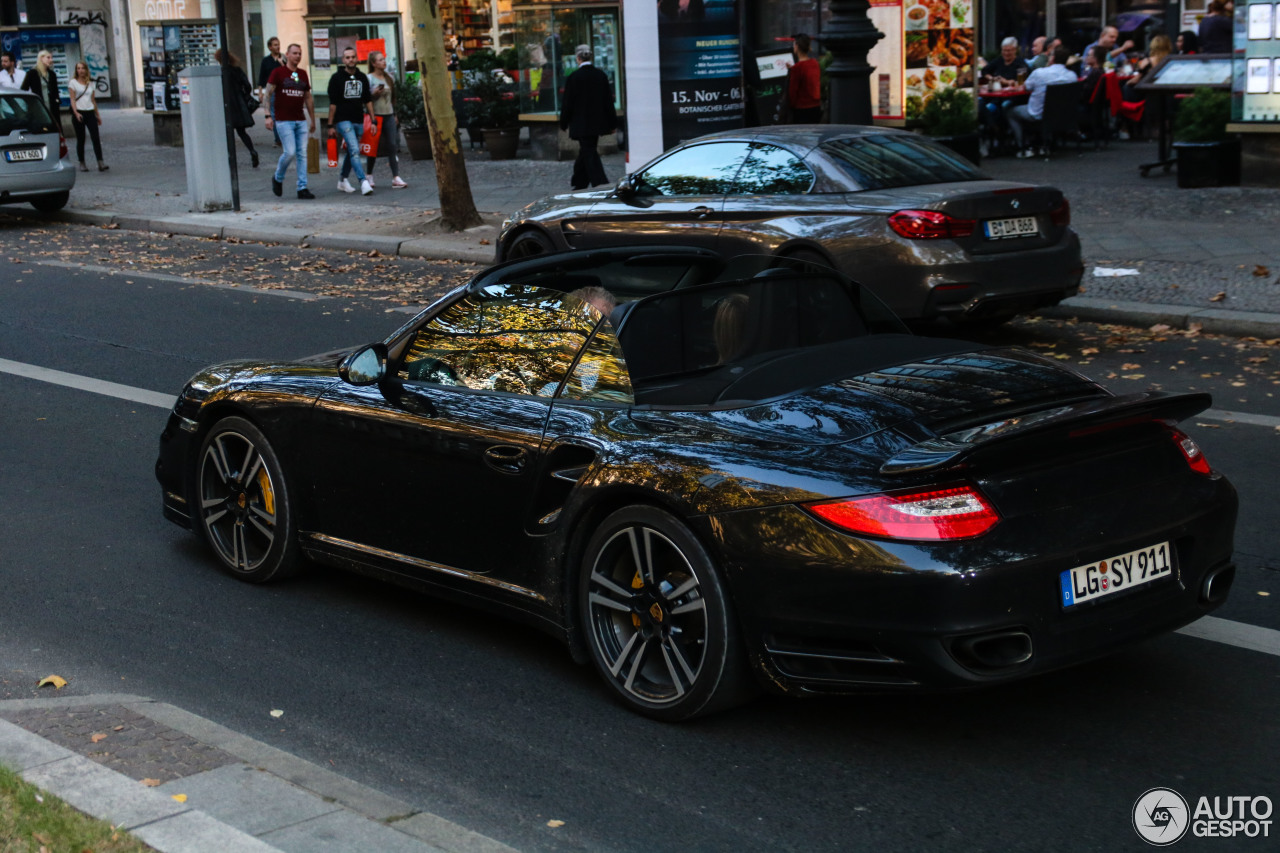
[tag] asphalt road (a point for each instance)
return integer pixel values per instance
(490, 724)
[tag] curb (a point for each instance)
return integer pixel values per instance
(1216, 321)
(381, 821)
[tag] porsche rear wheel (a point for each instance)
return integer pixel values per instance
(242, 503)
(658, 619)
(528, 244)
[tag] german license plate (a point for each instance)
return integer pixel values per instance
(1001, 229)
(24, 154)
(1115, 574)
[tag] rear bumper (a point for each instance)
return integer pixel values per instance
(862, 615)
(23, 186)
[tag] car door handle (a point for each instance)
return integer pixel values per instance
(702, 211)
(505, 458)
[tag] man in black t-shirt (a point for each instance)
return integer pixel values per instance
(349, 99)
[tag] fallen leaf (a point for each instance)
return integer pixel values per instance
(555, 823)
(1132, 375)
(1263, 593)
(97, 737)
(182, 798)
(1219, 296)
(277, 713)
(484, 242)
(1260, 271)
(1208, 426)
(1089, 351)
(1159, 327)
(1130, 366)
(118, 729)
(151, 783)
(56, 680)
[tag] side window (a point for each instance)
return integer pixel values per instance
(512, 338)
(601, 374)
(697, 170)
(772, 171)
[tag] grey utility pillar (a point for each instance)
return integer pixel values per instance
(204, 138)
(849, 35)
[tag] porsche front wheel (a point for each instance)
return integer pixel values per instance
(242, 504)
(658, 619)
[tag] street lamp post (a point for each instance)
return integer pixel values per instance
(849, 35)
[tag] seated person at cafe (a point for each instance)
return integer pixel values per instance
(1006, 68)
(1093, 72)
(1115, 53)
(1188, 42)
(1004, 71)
(1160, 48)
(1032, 111)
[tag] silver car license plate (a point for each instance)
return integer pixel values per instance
(14, 156)
(1022, 226)
(1115, 574)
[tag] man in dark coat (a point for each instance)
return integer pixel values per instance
(587, 112)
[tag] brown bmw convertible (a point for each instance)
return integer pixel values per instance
(919, 225)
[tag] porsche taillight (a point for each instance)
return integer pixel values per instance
(930, 225)
(1190, 451)
(952, 512)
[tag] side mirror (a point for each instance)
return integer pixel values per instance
(625, 189)
(365, 366)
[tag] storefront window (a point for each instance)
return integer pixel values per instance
(1022, 19)
(546, 37)
(776, 21)
(341, 33)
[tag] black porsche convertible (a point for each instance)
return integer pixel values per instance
(711, 477)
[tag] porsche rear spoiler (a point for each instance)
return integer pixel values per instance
(947, 450)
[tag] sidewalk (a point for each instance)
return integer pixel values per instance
(184, 784)
(1188, 246)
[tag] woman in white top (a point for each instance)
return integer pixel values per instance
(383, 87)
(84, 114)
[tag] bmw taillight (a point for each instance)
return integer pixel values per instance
(1190, 451)
(930, 225)
(954, 512)
(62, 146)
(1061, 215)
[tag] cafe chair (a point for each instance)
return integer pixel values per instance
(1061, 117)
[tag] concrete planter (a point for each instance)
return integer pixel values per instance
(418, 142)
(502, 142)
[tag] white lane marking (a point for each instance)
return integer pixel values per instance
(1245, 636)
(84, 383)
(1240, 417)
(179, 279)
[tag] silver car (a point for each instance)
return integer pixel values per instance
(34, 167)
(926, 231)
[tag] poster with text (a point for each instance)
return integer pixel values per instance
(700, 69)
(886, 59)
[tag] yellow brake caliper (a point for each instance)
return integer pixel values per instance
(268, 496)
(636, 583)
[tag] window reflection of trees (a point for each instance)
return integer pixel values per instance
(772, 171)
(700, 170)
(505, 338)
(601, 374)
(882, 161)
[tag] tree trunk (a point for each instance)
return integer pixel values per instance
(457, 207)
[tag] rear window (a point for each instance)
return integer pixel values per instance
(18, 112)
(884, 161)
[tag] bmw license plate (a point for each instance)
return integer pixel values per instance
(14, 156)
(1022, 226)
(1115, 574)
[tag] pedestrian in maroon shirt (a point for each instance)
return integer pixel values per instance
(804, 84)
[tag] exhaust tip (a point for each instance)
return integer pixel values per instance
(994, 651)
(1217, 584)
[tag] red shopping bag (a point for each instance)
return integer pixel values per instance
(372, 134)
(333, 153)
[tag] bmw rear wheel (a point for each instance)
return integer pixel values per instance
(528, 244)
(242, 503)
(657, 618)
